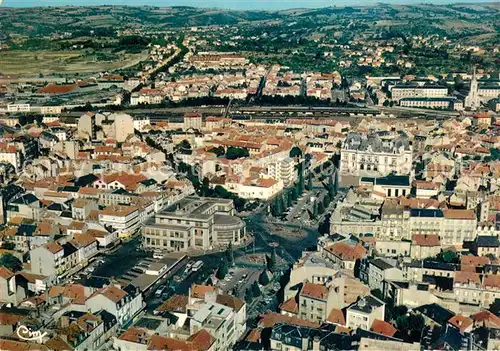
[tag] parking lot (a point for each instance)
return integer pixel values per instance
(238, 280)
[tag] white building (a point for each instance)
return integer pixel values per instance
(362, 313)
(376, 154)
(411, 91)
(220, 321)
(283, 170)
(123, 219)
(124, 304)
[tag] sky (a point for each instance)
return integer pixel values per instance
(229, 4)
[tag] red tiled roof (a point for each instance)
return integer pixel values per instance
(425, 240)
(491, 281)
(176, 303)
(460, 322)
(336, 316)
(486, 318)
(459, 214)
(315, 291)
(382, 327)
(199, 291)
(290, 306)
(346, 252)
(466, 277)
(270, 319)
(5, 273)
(202, 339)
(469, 260)
(55, 89)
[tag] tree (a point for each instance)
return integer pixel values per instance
(324, 227)
(309, 185)
(8, 245)
(205, 187)
(295, 152)
(321, 208)
(255, 289)
(22, 120)
(248, 296)
(315, 209)
(290, 197)
(263, 278)
(11, 262)
(416, 322)
(184, 147)
(223, 269)
(293, 192)
(232, 153)
(448, 256)
(271, 262)
(230, 253)
(326, 200)
(218, 151)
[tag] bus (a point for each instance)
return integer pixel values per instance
(197, 266)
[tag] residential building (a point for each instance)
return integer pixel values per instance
(124, 303)
(220, 321)
(193, 121)
(283, 170)
(364, 312)
(125, 220)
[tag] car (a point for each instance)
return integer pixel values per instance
(159, 292)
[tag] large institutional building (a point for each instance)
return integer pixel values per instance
(376, 154)
(194, 223)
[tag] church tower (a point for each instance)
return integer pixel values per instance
(472, 100)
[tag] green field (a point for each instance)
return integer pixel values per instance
(54, 62)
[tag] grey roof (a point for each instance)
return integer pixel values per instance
(375, 143)
(487, 241)
(425, 212)
(380, 263)
(394, 180)
(366, 304)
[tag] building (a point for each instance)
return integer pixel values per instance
(441, 103)
(290, 337)
(382, 270)
(399, 92)
(387, 187)
(452, 226)
(472, 99)
(220, 321)
(487, 245)
(146, 96)
(194, 223)
(424, 245)
(376, 154)
(193, 121)
(283, 170)
(364, 312)
(123, 219)
(124, 303)
(123, 125)
(47, 260)
(8, 289)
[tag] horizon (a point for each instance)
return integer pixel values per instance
(235, 5)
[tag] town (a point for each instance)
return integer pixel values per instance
(262, 183)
